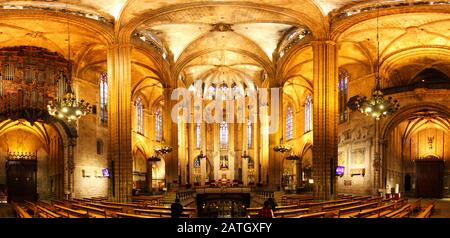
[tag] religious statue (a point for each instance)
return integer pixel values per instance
(223, 162)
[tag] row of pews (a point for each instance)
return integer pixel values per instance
(94, 208)
(301, 206)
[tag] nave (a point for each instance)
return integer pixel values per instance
(291, 206)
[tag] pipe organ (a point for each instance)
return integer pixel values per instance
(29, 78)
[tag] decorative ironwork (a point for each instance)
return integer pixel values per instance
(282, 148)
(293, 157)
(68, 107)
(201, 155)
(22, 156)
(154, 158)
(163, 148)
(376, 106)
(245, 155)
(221, 27)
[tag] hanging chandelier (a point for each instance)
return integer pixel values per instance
(293, 157)
(282, 148)
(377, 106)
(68, 107)
(201, 155)
(163, 148)
(245, 155)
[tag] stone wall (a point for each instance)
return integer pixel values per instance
(91, 155)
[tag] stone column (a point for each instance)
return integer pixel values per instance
(263, 169)
(170, 132)
(276, 158)
(377, 184)
(325, 115)
(119, 115)
(69, 166)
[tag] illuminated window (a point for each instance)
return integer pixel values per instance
(343, 94)
(198, 135)
(289, 123)
(223, 135)
(308, 114)
(139, 116)
(249, 134)
(104, 98)
(158, 125)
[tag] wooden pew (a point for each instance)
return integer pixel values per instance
(91, 211)
(313, 215)
(254, 210)
(400, 213)
(377, 199)
(376, 212)
(290, 212)
(426, 213)
(106, 207)
(125, 206)
(20, 212)
(316, 204)
(29, 206)
(128, 215)
(154, 212)
(47, 213)
(351, 211)
(70, 213)
(340, 205)
(362, 198)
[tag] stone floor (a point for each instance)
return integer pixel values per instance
(441, 209)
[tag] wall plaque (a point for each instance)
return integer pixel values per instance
(357, 172)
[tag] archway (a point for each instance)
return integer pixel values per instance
(33, 160)
(415, 150)
(307, 169)
(139, 171)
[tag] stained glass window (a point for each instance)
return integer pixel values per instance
(289, 123)
(104, 98)
(249, 134)
(308, 114)
(198, 135)
(158, 125)
(223, 135)
(343, 95)
(139, 116)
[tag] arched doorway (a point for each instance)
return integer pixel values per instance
(139, 171)
(415, 148)
(307, 170)
(33, 161)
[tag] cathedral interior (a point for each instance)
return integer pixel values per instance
(119, 107)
